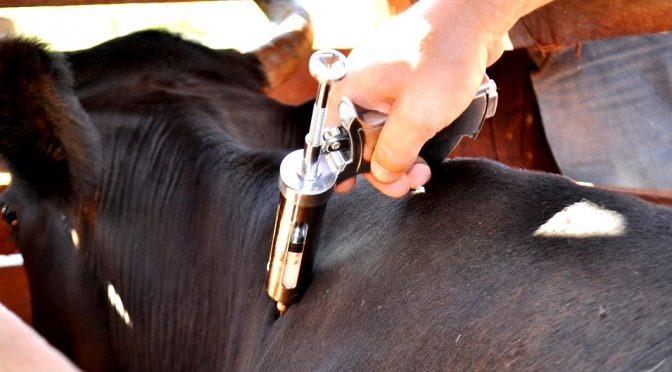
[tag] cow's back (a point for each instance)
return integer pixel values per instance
(472, 275)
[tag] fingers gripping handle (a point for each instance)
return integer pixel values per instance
(469, 124)
(363, 127)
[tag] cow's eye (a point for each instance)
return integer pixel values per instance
(9, 215)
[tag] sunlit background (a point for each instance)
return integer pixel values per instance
(219, 24)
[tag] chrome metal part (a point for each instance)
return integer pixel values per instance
(307, 192)
(327, 66)
(489, 89)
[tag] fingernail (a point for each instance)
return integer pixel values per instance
(420, 176)
(381, 174)
(425, 178)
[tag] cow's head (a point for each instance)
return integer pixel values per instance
(52, 152)
(47, 141)
(59, 194)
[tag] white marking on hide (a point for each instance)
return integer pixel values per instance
(75, 238)
(585, 184)
(583, 219)
(657, 366)
(118, 305)
(5, 179)
(11, 260)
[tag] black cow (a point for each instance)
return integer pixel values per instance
(145, 199)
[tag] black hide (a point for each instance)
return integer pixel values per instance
(181, 152)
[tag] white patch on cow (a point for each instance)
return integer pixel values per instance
(657, 366)
(11, 260)
(75, 238)
(5, 179)
(583, 219)
(585, 184)
(118, 305)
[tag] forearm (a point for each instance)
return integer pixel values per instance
(494, 15)
(21, 348)
(567, 22)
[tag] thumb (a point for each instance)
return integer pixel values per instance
(403, 135)
(430, 103)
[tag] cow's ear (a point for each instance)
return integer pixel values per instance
(45, 135)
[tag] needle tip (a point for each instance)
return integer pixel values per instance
(282, 308)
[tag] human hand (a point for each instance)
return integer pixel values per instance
(422, 68)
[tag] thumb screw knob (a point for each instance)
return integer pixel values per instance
(327, 66)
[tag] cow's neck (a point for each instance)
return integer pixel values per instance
(67, 310)
(201, 260)
(254, 310)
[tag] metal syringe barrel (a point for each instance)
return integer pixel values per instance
(297, 223)
(305, 186)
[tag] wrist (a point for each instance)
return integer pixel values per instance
(495, 16)
(485, 22)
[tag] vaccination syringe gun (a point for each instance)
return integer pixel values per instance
(308, 176)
